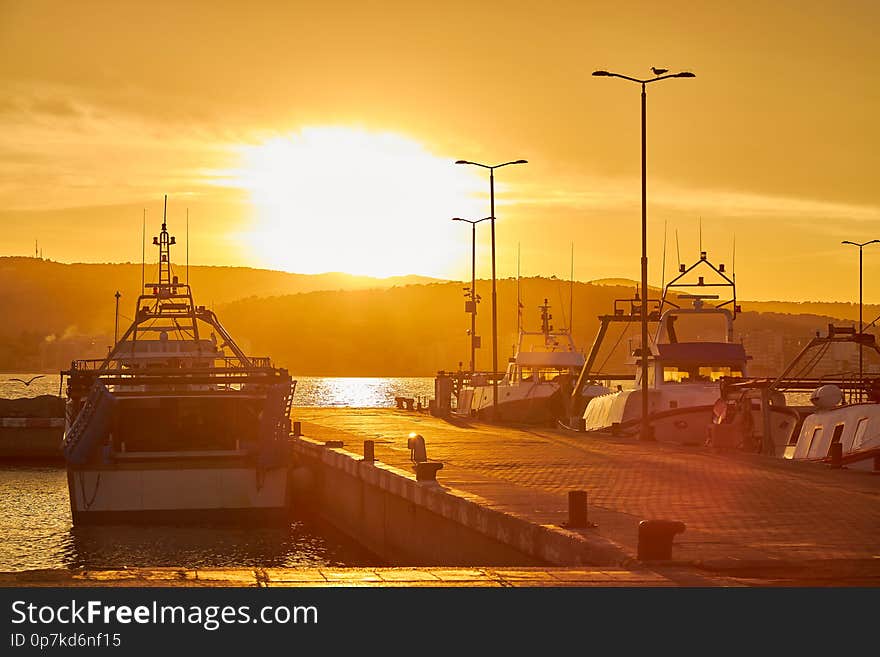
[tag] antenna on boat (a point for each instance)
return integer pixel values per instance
(677, 249)
(187, 245)
(733, 264)
(700, 229)
(518, 297)
(571, 292)
(663, 268)
(143, 248)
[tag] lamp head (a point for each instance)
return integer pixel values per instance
(520, 162)
(685, 74)
(601, 73)
(463, 162)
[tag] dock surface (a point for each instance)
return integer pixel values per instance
(746, 515)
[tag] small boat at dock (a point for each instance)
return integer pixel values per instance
(543, 369)
(177, 422)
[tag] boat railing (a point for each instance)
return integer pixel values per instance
(226, 362)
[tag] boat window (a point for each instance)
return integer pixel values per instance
(675, 375)
(835, 437)
(858, 435)
(815, 435)
(708, 374)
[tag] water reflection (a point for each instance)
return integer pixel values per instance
(37, 533)
(302, 543)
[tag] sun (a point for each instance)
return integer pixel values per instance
(350, 200)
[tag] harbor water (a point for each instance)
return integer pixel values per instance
(35, 516)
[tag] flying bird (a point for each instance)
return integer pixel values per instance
(659, 71)
(29, 381)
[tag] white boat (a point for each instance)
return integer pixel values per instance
(693, 349)
(543, 369)
(176, 423)
(844, 406)
(855, 426)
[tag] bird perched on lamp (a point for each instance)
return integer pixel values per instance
(659, 71)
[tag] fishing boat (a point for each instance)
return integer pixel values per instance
(543, 370)
(693, 348)
(843, 409)
(177, 422)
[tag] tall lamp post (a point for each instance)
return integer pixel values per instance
(494, 296)
(861, 325)
(473, 223)
(646, 432)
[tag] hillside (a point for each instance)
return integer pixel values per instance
(337, 324)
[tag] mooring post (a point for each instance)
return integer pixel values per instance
(836, 454)
(369, 451)
(655, 539)
(297, 429)
(577, 509)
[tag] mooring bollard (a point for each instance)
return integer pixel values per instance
(417, 450)
(836, 453)
(427, 470)
(333, 443)
(577, 509)
(369, 451)
(297, 429)
(655, 539)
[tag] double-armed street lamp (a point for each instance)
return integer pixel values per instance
(494, 298)
(473, 293)
(861, 325)
(646, 432)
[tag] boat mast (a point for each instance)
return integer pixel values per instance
(518, 297)
(571, 293)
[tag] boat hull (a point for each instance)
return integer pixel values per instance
(520, 404)
(176, 490)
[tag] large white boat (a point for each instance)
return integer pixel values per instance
(176, 423)
(844, 405)
(543, 369)
(693, 348)
(856, 427)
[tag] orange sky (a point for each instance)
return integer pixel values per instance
(365, 106)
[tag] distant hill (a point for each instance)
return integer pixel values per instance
(342, 325)
(50, 306)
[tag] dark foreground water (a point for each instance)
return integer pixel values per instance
(36, 532)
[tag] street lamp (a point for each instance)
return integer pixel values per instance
(660, 74)
(861, 327)
(473, 223)
(494, 297)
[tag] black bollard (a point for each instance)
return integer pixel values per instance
(297, 429)
(577, 509)
(369, 451)
(836, 454)
(655, 539)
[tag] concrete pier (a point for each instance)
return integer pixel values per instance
(746, 515)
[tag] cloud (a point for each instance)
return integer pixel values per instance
(614, 194)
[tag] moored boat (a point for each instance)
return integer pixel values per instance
(692, 350)
(177, 422)
(543, 370)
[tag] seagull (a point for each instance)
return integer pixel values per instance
(29, 381)
(659, 71)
